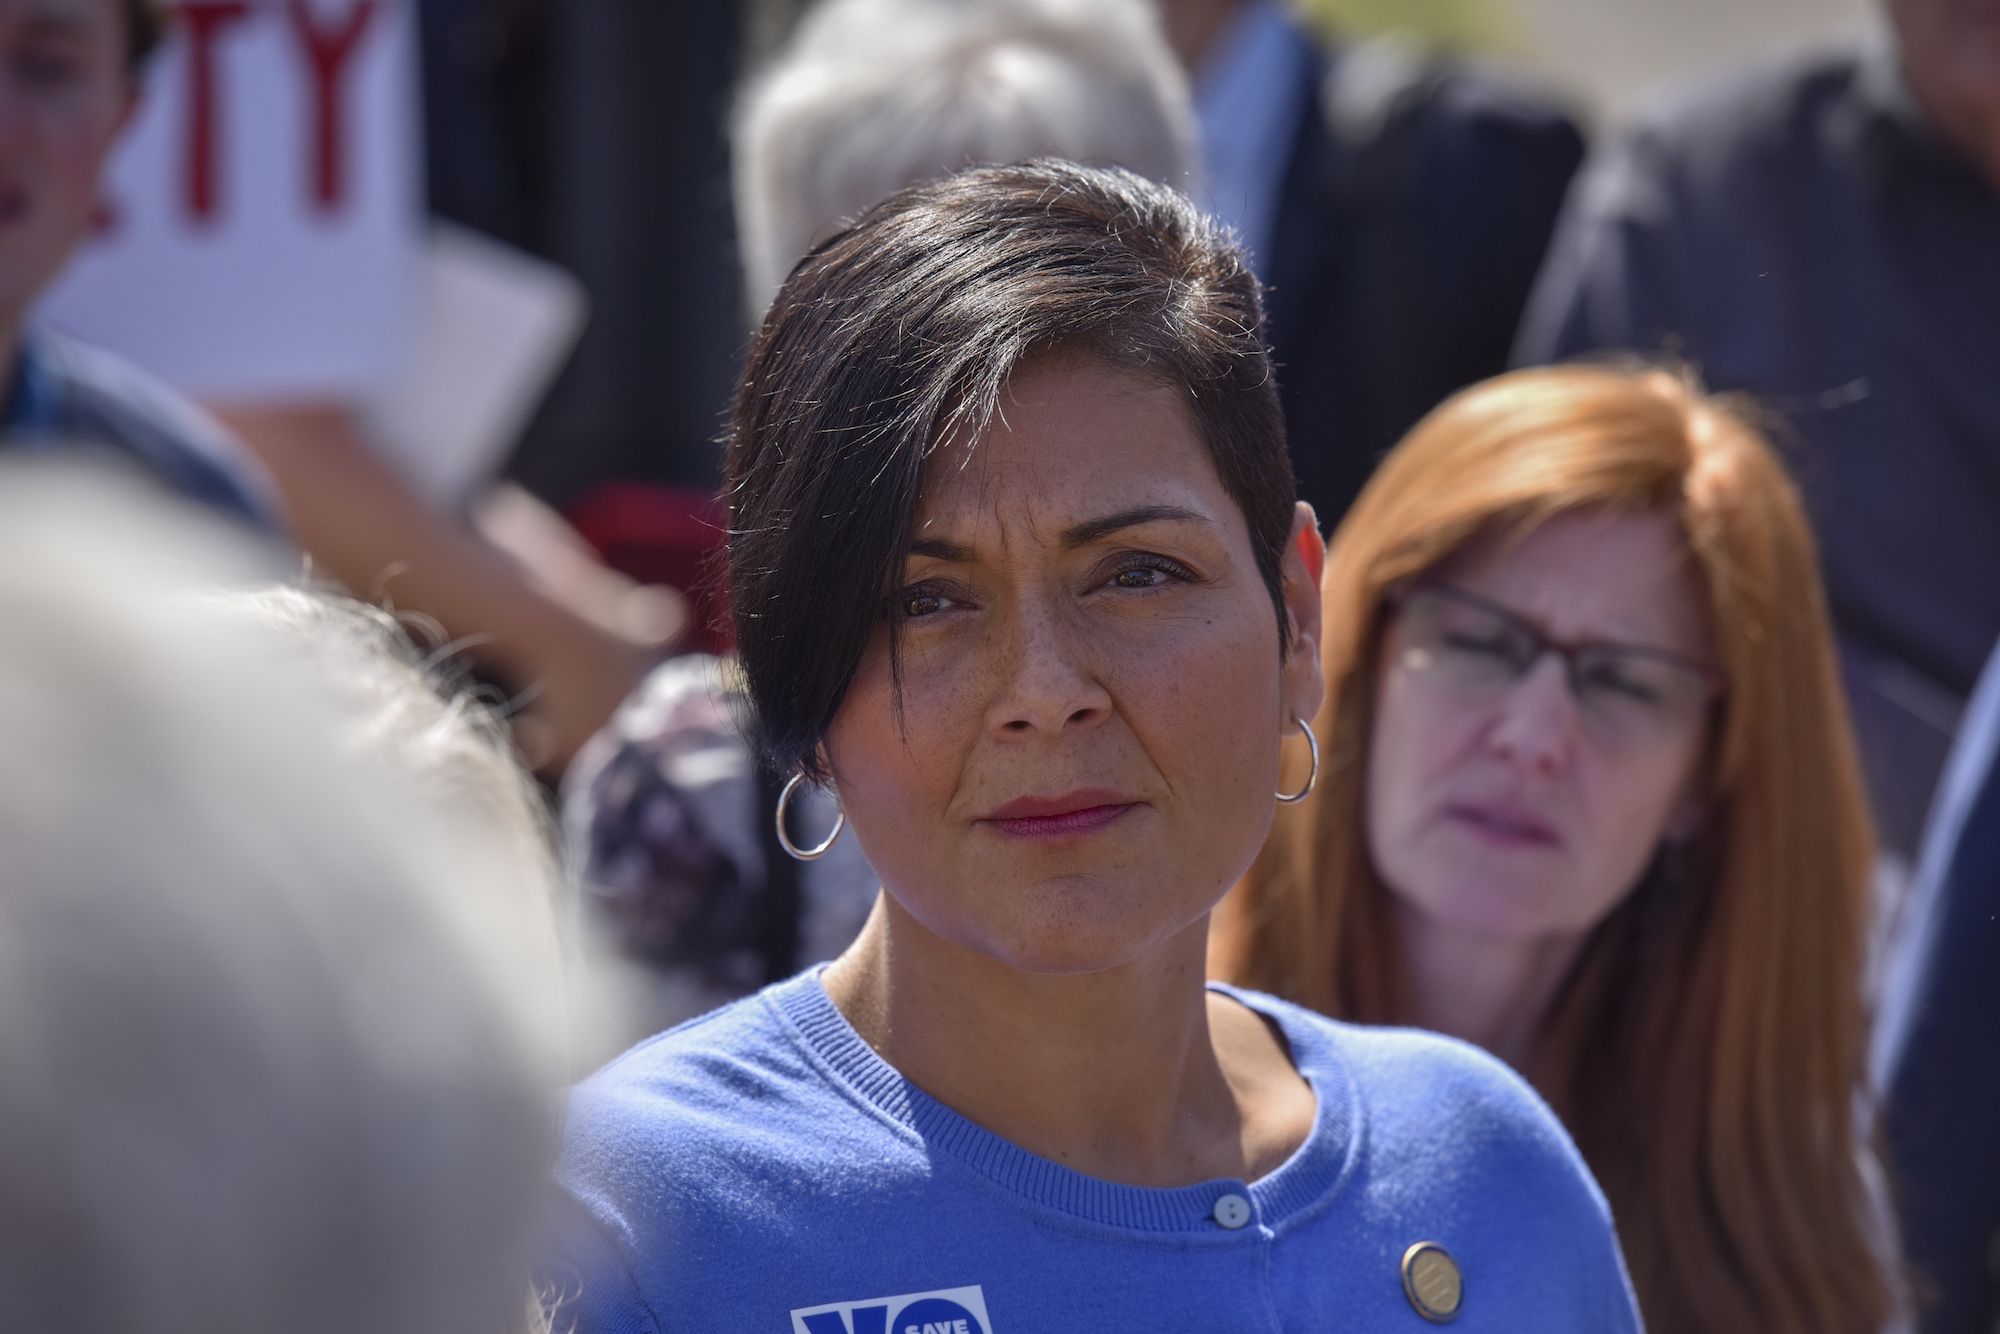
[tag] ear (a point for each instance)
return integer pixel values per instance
(1303, 684)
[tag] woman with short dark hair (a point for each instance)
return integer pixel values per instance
(1017, 570)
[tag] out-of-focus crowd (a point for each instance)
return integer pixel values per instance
(380, 755)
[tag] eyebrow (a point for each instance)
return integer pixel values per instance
(937, 548)
(1091, 530)
(1077, 535)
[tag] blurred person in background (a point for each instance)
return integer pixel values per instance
(1590, 801)
(1396, 204)
(1825, 233)
(282, 1016)
(1939, 1024)
(669, 816)
(568, 661)
(873, 95)
(519, 591)
(69, 79)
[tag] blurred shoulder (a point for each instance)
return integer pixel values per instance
(1745, 120)
(1438, 1109)
(1368, 81)
(1481, 92)
(1411, 1077)
(726, 1060)
(720, 1101)
(98, 397)
(1450, 1146)
(106, 386)
(727, 1138)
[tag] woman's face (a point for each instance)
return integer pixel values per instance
(64, 95)
(1515, 812)
(1086, 750)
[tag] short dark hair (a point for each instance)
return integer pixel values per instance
(901, 332)
(145, 25)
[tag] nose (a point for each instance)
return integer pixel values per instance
(1538, 720)
(1047, 686)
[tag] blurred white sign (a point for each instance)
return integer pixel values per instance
(263, 216)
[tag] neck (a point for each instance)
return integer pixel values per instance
(1131, 1074)
(1492, 992)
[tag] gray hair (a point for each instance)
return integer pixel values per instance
(874, 95)
(279, 1001)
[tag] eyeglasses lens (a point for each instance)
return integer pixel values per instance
(1473, 652)
(1464, 649)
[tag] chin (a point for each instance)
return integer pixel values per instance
(1480, 920)
(1481, 902)
(1071, 928)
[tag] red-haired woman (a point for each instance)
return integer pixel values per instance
(1589, 800)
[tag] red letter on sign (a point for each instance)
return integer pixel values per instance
(205, 21)
(329, 51)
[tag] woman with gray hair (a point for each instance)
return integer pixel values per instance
(279, 1003)
(874, 95)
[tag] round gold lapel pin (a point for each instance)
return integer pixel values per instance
(1431, 1281)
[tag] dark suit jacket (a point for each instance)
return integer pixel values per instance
(1799, 233)
(1942, 1121)
(1420, 197)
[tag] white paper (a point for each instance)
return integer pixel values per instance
(493, 328)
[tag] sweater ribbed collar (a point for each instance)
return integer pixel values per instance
(1298, 1188)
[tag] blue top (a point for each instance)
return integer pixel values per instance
(1803, 233)
(67, 395)
(761, 1168)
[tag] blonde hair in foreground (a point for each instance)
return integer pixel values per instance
(1705, 1051)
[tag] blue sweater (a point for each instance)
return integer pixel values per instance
(761, 1168)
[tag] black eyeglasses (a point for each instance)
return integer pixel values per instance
(1475, 649)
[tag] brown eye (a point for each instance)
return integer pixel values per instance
(922, 604)
(1147, 571)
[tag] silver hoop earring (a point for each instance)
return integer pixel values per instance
(1312, 744)
(840, 820)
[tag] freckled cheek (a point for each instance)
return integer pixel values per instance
(1205, 706)
(893, 810)
(898, 767)
(945, 695)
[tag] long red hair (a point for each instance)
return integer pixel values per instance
(1706, 1049)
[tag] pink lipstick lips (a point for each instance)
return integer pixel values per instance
(1499, 824)
(1080, 812)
